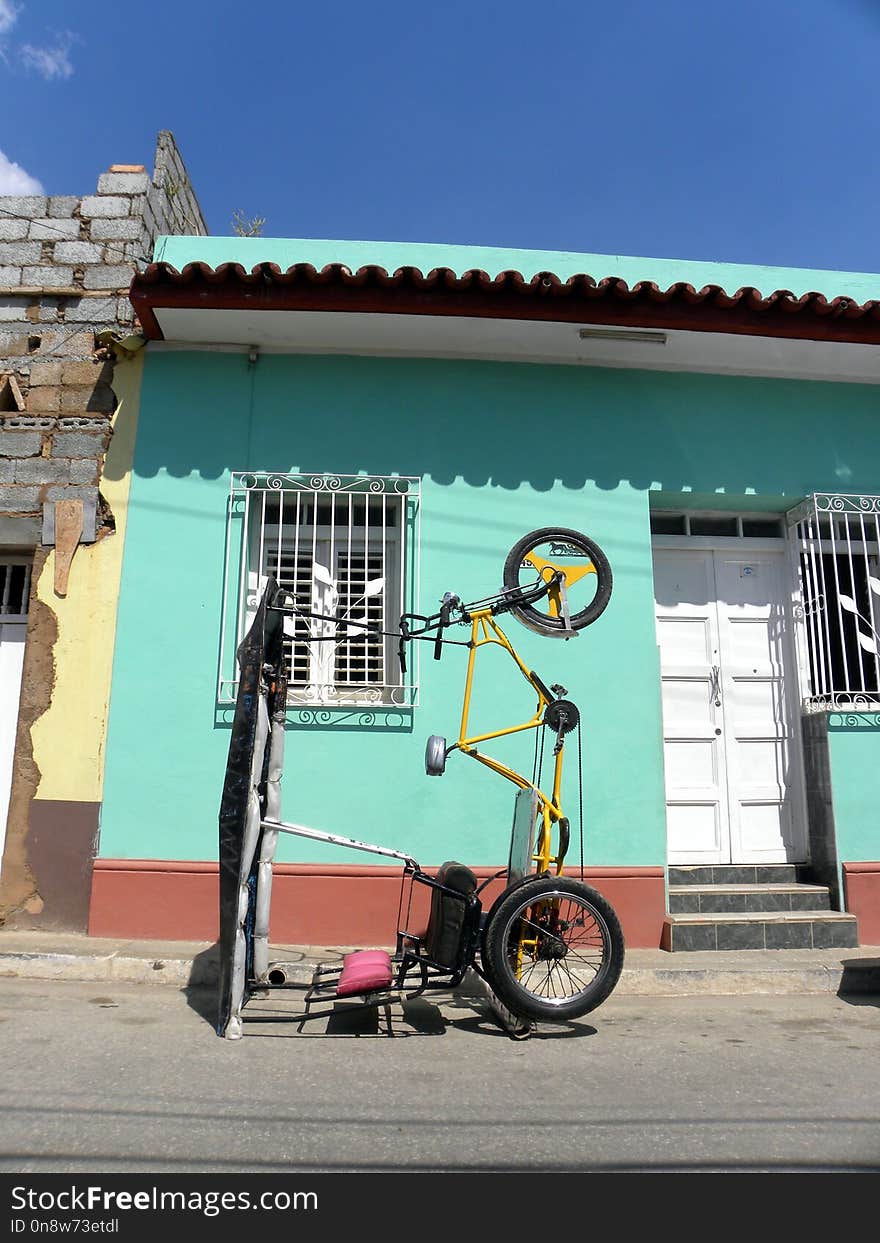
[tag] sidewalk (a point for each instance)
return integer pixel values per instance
(195, 964)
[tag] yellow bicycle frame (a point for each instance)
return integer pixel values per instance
(482, 622)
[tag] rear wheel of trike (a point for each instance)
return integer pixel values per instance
(552, 949)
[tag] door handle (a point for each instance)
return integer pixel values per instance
(715, 688)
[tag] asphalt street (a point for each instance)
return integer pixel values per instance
(108, 1078)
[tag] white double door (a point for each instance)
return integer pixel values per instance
(731, 734)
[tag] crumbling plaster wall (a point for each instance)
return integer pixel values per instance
(67, 331)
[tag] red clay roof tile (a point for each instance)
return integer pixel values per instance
(508, 295)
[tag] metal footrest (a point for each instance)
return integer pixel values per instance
(323, 992)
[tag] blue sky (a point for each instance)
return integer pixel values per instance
(743, 131)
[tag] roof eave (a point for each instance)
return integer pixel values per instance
(441, 292)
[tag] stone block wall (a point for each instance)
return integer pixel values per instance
(66, 263)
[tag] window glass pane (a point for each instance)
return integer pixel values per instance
(340, 568)
(359, 657)
(713, 526)
(763, 528)
(667, 524)
(15, 579)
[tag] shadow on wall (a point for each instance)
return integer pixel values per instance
(503, 425)
(845, 722)
(322, 719)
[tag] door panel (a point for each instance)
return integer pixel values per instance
(760, 710)
(761, 759)
(684, 640)
(691, 762)
(687, 634)
(695, 828)
(760, 827)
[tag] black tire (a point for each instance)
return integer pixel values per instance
(539, 618)
(577, 953)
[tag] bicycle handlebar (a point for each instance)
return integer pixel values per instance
(450, 602)
(504, 602)
(451, 605)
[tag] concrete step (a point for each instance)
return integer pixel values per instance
(747, 899)
(738, 874)
(771, 930)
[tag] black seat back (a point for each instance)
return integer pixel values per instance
(446, 924)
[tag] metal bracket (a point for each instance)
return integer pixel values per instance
(566, 614)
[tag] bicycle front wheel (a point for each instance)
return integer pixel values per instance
(552, 949)
(587, 579)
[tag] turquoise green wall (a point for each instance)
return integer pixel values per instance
(853, 740)
(502, 449)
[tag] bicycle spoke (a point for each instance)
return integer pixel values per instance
(573, 942)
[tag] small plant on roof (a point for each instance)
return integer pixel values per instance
(247, 226)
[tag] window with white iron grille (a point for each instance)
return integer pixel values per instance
(838, 567)
(343, 548)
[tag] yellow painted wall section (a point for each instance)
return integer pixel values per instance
(69, 739)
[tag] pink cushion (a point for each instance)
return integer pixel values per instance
(362, 956)
(364, 971)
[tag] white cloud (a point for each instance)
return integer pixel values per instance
(13, 178)
(49, 62)
(8, 15)
(51, 59)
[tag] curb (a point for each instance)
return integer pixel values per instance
(733, 981)
(109, 967)
(643, 974)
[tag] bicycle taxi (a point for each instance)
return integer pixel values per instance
(549, 948)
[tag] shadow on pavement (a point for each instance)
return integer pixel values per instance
(280, 1013)
(860, 982)
(202, 988)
